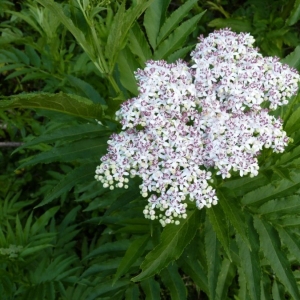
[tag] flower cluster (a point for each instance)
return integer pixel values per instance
(188, 120)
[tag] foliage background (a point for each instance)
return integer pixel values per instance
(64, 64)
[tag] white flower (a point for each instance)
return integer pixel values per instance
(187, 120)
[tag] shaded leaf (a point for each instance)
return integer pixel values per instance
(177, 38)
(173, 282)
(271, 191)
(212, 250)
(173, 241)
(174, 19)
(151, 289)
(135, 250)
(64, 103)
(270, 245)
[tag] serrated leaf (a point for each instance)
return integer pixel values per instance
(243, 291)
(289, 156)
(234, 212)
(64, 103)
(181, 53)
(172, 243)
(173, 282)
(277, 291)
(195, 270)
(294, 16)
(133, 293)
(78, 175)
(57, 10)
(226, 275)
(270, 245)
(219, 222)
(289, 221)
(250, 261)
(174, 19)
(177, 38)
(283, 188)
(71, 152)
(122, 22)
(127, 65)
(293, 59)
(87, 90)
(33, 56)
(151, 289)
(293, 124)
(154, 17)
(243, 185)
(212, 251)
(75, 132)
(43, 220)
(114, 247)
(105, 287)
(279, 207)
(290, 240)
(32, 250)
(235, 24)
(138, 44)
(135, 250)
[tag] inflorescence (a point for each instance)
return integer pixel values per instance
(188, 120)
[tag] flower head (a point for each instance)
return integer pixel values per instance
(187, 120)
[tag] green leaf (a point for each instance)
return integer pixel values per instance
(234, 212)
(173, 241)
(32, 250)
(174, 19)
(154, 17)
(270, 245)
(250, 261)
(82, 149)
(288, 221)
(43, 220)
(293, 124)
(219, 223)
(245, 184)
(235, 24)
(75, 132)
(177, 38)
(293, 59)
(78, 175)
(279, 207)
(57, 10)
(294, 16)
(289, 156)
(33, 56)
(64, 103)
(283, 188)
(133, 293)
(277, 291)
(127, 65)
(134, 251)
(151, 289)
(173, 282)
(84, 88)
(195, 270)
(212, 250)
(226, 275)
(138, 44)
(105, 287)
(114, 247)
(181, 53)
(122, 22)
(290, 240)
(243, 292)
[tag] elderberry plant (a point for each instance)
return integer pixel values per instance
(191, 120)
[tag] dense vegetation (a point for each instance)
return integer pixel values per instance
(65, 68)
